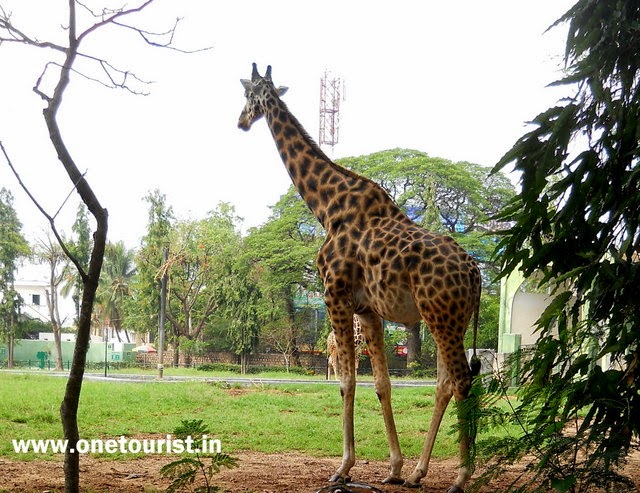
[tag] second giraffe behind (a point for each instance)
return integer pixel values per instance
(377, 263)
(332, 348)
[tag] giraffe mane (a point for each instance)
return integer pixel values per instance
(316, 147)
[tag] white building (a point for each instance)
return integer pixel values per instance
(32, 283)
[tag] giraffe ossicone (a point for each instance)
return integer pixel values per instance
(378, 264)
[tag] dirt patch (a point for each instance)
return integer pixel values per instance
(258, 473)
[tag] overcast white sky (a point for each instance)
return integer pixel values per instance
(455, 79)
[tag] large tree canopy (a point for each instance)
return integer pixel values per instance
(457, 197)
(575, 221)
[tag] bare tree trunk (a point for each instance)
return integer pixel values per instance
(176, 355)
(52, 303)
(244, 362)
(10, 341)
(56, 313)
(57, 339)
(295, 353)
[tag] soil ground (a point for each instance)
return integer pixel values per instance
(257, 473)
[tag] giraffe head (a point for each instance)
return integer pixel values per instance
(258, 90)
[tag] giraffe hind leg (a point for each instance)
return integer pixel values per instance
(374, 337)
(453, 379)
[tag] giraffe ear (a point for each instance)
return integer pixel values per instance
(246, 83)
(281, 90)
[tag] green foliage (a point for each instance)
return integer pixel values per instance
(13, 247)
(576, 222)
(201, 265)
(282, 254)
(142, 307)
(184, 472)
(551, 449)
(80, 247)
(219, 367)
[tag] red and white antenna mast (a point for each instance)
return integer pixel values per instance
(330, 86)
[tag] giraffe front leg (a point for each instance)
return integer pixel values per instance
(343, 329)
(347, 389)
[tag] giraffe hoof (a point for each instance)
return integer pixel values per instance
(349, 488)
(393, 480)
(411, 484)
(455, 489)
(336, 478)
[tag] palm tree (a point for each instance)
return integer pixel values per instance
(117, 272)
(49, 251)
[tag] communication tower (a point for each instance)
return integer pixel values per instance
(330, 86)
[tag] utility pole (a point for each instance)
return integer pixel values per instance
(163, 309)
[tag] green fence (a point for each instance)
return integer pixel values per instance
(42, 354)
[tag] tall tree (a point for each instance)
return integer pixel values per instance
(143, 306)
(80, 247)
(242, 305)
(576, 223)
(48, 251)
(284, 251)
(200, 255)
(13, 247)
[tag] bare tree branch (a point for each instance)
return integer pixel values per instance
(50, 219)
(110, 19)
(15, 35)
(148, 35)
(111, 73)
(114, 77)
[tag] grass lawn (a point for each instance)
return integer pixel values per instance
(273, 418)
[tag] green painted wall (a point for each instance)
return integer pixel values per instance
(41, 353)
(509, 285)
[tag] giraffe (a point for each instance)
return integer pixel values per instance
(332, 347)
(378, 264)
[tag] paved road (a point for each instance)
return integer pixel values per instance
(248, 381)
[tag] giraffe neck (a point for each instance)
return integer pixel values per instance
(318, 179)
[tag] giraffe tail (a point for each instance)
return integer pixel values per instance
(475, 361)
